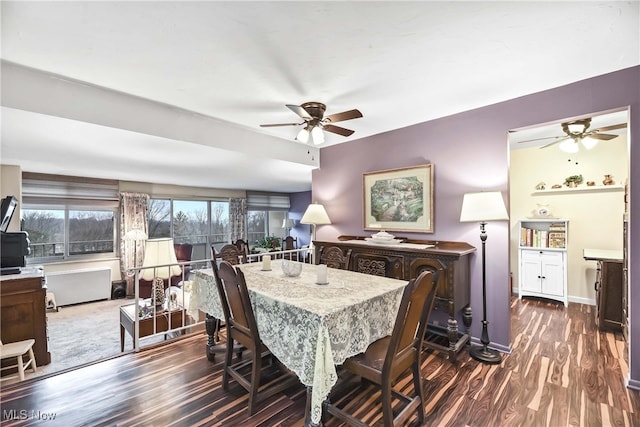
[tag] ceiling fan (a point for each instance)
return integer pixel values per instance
(315, 122)
(577, 131)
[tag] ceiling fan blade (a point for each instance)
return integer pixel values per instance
(345, 115)
(280, 124)
(339, 130)
(540, 139)
(299, 111)
(612, 127)
(602, 136)
(555, 142)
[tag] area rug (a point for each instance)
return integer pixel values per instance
(85, 333)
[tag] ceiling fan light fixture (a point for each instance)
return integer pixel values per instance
(576, 128)
(303, 135)
(589, 142)
(569, 146)
(317, 135)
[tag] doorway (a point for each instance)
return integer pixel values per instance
(539, 176)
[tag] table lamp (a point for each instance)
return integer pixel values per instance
(482, 207)
(159, 263)
(315, 215)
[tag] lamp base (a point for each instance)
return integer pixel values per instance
(485, 355)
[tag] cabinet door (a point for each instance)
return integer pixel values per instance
(552, 273)
(530, 271)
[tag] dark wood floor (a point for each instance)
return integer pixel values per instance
(562, 372)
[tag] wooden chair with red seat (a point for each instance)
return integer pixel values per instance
(242, 327)
(388, 359)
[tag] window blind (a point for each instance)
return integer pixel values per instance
(267, 201)
(51, 191)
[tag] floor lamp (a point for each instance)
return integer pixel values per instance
(315, 215)
(483, 207)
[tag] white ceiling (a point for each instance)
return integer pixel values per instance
(189, 83)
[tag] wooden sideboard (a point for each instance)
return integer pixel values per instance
(23, 311)
(610, 310)
(405, 262)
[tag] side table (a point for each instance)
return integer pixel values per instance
(163, 319)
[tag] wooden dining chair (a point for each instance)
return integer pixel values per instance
(288, 244)
(242, 327)
(243, 246)
(333, 257)
(233, 255)
(229, 253)
(389, 358)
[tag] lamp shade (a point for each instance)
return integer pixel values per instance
(288, 223)
(303, 135)
(159, 252)
(483, 206)
(315, 214)
(317, 135)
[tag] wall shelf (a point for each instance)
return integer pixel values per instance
(580, 189)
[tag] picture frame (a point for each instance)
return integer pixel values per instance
(399, 199)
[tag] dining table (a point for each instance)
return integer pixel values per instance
(311, 328)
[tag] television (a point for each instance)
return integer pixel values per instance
(9, 205)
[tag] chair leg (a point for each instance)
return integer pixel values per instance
(20, 368)
(227, 363)
(33, 360)
(387, 410)
(417, 385)
(255, 380)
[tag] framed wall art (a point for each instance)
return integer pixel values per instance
(399, 199)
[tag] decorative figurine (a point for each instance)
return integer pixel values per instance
(608, 180)
(541, 186)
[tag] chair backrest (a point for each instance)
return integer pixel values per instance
(242, 245)
(236, 305)
(289, 243)
(333, 257)
(411, 323)
(229, 253)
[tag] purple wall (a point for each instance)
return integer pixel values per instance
(469, 152)
(299, 203)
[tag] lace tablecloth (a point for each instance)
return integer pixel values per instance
(311, 328)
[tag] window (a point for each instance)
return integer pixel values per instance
(265, 215)
(198, 222)
(69, 218)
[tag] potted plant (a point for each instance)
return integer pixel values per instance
(269, 243)
(573, 180)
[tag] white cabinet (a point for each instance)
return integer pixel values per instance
(543, 259)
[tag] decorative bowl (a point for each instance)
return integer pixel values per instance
(382, 235)
(291, 268)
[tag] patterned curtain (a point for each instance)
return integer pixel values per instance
(133, 233)
(237, 219)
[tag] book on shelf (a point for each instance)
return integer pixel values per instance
(533, 238)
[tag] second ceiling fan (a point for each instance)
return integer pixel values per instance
(577, 131)
(315, 122)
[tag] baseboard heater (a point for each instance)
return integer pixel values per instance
(78, 286)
